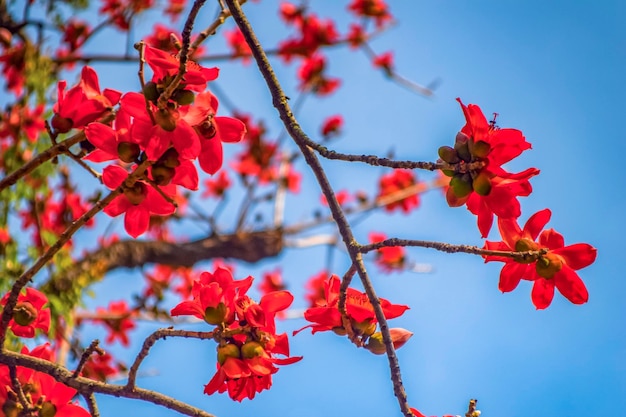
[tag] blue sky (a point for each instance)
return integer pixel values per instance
(551, 69)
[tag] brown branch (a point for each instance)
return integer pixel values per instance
(525, 256)
(89, 386)
(151, 340)
(248, 247)
(281, 103)
(92, 405)
(93, 347)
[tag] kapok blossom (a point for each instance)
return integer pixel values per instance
(213, 130)
(83, 103)
(46, 395)
(388, 258)
(137, 202)
(118, 322)
(332, 126)
(553, 269)
(29, 313)
(359, 311)
(393, 184)
(247, 340)
(478, 178)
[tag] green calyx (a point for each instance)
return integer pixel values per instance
(215, 315)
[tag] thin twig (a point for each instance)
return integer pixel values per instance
(92, 405)
(151, 340)
(93, 347)
(525, 256)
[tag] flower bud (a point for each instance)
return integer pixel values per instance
(150, 91)
(399, 337)
(548, 265)
(375, 344)
(47, 410)
(170, 158)
(215, 315)
(482, 184)
(24, 313)
(183, 97)
(227, 351)
(251, 350)
(61, 124)
(461, 185)
(137, 193)
(162, 175)
(128, 152)
(165, 119)
(480, 149)
(462, 148)
(449, 155)
(366, 327)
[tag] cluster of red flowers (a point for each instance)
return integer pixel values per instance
(245, 332)
(30, 313)
(170, 134)
(361, 322)
(478, 180)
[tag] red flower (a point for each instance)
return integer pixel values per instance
(247, 339)
(214, 297)
(272, 281)
(29, 313)
(316, 291)
(312, 77)
(173, 128)
(393, 184)
(357, 36)
(21, 120)
(137, 202)
(384, 61)
(83, 103)
(41, 389)
(358, 307)
(342, 196)
(216, 187)
(480, 181)
(555, 268)
(313, 33)
(332, 126)
(238, 44)
(214, 130)
(388, 258)
(118, 321)
(100, 367)
(376, 9)
(165, 66)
